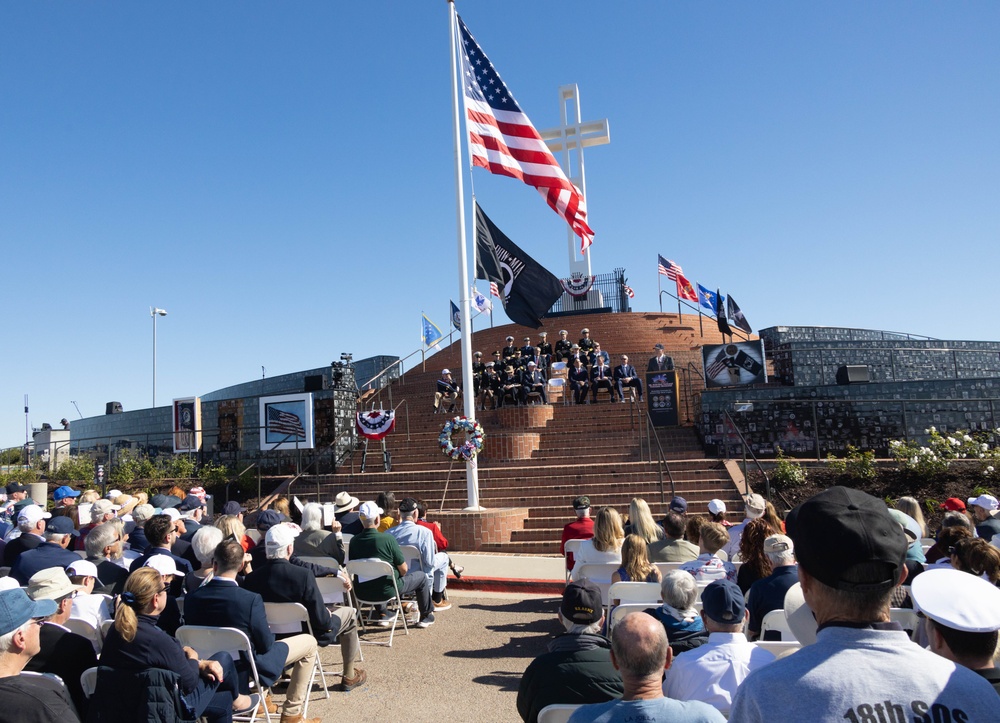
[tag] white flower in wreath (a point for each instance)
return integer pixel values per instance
(473, 444)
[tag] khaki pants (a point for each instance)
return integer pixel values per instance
(301, 653)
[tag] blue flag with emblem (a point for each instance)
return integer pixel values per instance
(429, 332)
(456, 316)
(708, 298)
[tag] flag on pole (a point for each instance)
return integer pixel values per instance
(736, 314)
(685, 290)
(482, 304)
(669, 268)
(720, 313)
(529, 290)
(430, 334)
(628, 289)
(494, 291)
(456, 316)
(503, 140)
(707, 298)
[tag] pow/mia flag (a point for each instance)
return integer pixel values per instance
(527, 289)
(736, 314)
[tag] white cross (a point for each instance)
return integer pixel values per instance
(575, 135)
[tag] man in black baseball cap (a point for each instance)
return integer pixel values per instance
(851, 552)
(577, 667)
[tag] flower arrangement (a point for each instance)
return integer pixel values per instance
(474, 436)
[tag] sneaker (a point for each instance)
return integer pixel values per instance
(425, 622)
(443, 605)
(409, 607)
(385, 621)
(358, 680)
(457, 570)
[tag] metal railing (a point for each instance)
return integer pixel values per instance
(661, 458)
(746, 448)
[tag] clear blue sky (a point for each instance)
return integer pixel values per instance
(280, 178)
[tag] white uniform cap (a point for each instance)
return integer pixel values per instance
(957, 600)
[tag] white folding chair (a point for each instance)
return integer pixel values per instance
(323, 560)
(412, 556)
(335, 593)
(776, 621)
(624, 609)
(907, 617)
(779, 648)
(285, 618)
(88, 681)
(557, 387)
(371, 569)
(84, 628)
(665, 567)
(207, 641)
(556, 713)
(633, 592)
(598, 573)
(571, 546)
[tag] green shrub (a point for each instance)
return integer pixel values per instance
(787, 472)
(79, 469)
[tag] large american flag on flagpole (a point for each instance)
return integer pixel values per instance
(503, 140)
(669, 268)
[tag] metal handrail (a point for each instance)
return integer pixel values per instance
(746, 448)
(661, 460)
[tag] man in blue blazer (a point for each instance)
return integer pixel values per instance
(221, 602)
(627, 376)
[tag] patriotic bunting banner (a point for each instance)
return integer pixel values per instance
(376, 424)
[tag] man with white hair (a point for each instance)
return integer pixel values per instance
(31, 523)
(383, 546)
(29, 698)
(753, 506)
(104, 548)
(278, 580)
(982, 509)
(433, 563)
(314, 540)
(768, 593)
(50, 553)
(712, 672)
(576, 667)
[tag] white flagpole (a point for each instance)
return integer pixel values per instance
(471, 469)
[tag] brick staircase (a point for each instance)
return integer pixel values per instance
(538, 459)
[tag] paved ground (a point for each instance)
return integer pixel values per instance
(467, 666)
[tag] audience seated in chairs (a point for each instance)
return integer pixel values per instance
(768, 593)
(433, 563)
(708, 566)
(135, 644)
(601, 378)
(625, 375)
(206, 539)
(534, 383)
(489, 388)
(582, 528)
(677, 614)
(579, 381)
(606, 544)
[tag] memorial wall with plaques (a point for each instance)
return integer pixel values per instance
(913, 384)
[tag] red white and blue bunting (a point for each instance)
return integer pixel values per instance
(376, 424)
(578, 285)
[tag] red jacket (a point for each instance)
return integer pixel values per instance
(581, 528)
(440, 540)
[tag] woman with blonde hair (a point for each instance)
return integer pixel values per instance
(636, 566)
(135, 644)
(232, 527)
(909, 506)
(607, 541)
(640, 522)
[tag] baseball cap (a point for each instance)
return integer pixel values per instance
(957, 600)
(847, 540)
(581, 503)
(445, 371)
(658, 346)
(407, 504)
(370, 510)
(266, 519)
(581, 602)
(112, 494)
(16, 487)
(32, 514)
(281, 535)
(162, 502)
(200, 493)
(84, 568)
(953, 504)
(172, 513)
(754, 505)
(103, 507)
(987, 502)
(16, 608)
(800, 616)
(61, 526)
(716, 507)
(679, 505)
(163, 564)
(190, 504)
(51, 583)
(779, 543)
(911, 528)
(233, 508)
(63, 492)
(723, 601)
(143, 512)
(531, 364)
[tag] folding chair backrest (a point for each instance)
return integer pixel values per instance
(779, 648)
(347, 545)
(665, 567)
(254, 535)
(323, 560)
(907, 617)
(556, 713)
(332, 589)
(88, 681)
(412, 556)
(84, 628)
(598, 573)
(776, 621)
(622, 610)
(208, 641)
(635, 592)
(557, 382)
(287, 617)
(371, 569)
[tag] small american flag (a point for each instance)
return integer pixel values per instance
(669, 268)
(503, 140)
(494, 291)
(628, 290)
(282, 422)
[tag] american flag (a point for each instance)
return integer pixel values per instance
(628, 290)
(720, 363)
(282, 422)
(494, 291)
(669, 268)
(503, 140)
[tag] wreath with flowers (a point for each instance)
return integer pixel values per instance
(474, 436)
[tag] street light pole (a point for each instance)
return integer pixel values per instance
(155, 312)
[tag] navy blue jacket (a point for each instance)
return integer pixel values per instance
(222, 603)
(137, 541)
(46, 555)
(20, 544)
(281, 581)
